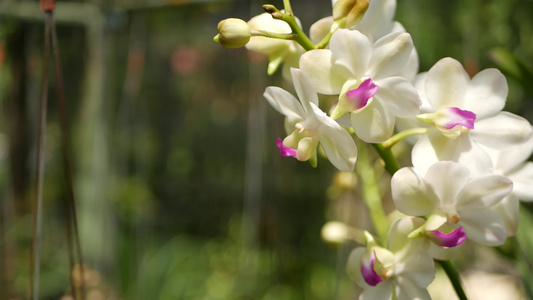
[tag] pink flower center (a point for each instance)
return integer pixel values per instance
(367, 270)
(360, 96)
(457, 117)
(448, 240)
(285, 151)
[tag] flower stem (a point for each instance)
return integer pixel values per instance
(301, 38)
(391, 163)
(273, 35)
(325, 41)
(402, 135)
(287, 6)
(454, 278)
(371, 194)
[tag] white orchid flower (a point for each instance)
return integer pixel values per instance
(311, 126)
(449, 196)
(278, 51)
(404, 269)
(512, 163)
(467, 113)
(366, 78)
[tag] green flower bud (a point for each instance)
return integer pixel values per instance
(352, 11)
(233, 33)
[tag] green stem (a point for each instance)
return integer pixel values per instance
(454, 278)
(287, 6)
(391, 163)
(301, 38)
(402, 135)
(325, 41)
(273, 35)
(371, 194)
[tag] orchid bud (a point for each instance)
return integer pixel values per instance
(352, 11)
(233, 33)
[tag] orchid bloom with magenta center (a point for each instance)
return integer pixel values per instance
(404, 268)
(448, 195)
(467, 115)
(311, 126)
(368, 79)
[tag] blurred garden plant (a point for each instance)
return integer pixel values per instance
(467, 154)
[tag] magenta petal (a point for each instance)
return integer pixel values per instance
(456, 238)
(285, 151)
(367, 270)
(359, 97)
(460, 117)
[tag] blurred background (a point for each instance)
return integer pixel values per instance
(181, 191)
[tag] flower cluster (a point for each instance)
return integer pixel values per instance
(469, 170)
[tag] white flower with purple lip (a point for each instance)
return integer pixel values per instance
(467, 113)
(450, 197)
(310, 126)
(403, 269)
(367, 78)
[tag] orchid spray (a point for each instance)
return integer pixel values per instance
(466, 153)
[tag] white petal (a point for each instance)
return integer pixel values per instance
(501, 131)
(483, 191)
(284, 102)
(411, 67)
(378, 18)
(509, 211)
(374, 124)
(507, 160)
(290, 60)
(304, 91)
(390, 55)
(338, 145)
(446, 84)
(397, 240)
(352, 50)
(447, 178)
(486, 93)
(399, 96)
(318, 69)
(382, 291)
(408, 290)
(320, 29)
(353, 266)
(435, 147)
(484, 227)
(417, 266)
(411, 194)
(523, 182)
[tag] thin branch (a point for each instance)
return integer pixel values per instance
(70, 196)
(37, 210)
